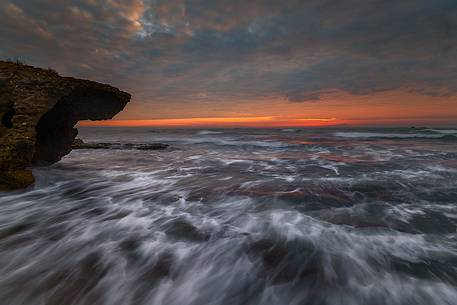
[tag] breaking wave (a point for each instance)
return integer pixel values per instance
(447, 135)
(208, 132)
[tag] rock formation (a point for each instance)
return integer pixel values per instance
(79, 144)
(38, 112)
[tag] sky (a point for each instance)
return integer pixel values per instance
(250, 62)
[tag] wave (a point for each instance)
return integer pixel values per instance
(445, 131)
(208, 132)
(368, 135)
(227, 141)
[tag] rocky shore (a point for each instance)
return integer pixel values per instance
(79, 144)
(38, 112)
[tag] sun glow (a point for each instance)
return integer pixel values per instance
(258, 121)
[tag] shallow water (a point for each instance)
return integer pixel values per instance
(238, 217)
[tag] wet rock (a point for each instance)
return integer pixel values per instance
(158, 269)
(153, 273)
(15, 179)
(80, 144)
(183, 230)
(427, 269)
(38, 112)
(15, 229)
(282, 261)
(153, 146)
(78, 284)
(130, 244)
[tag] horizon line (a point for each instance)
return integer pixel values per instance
(268, 121)
(254, 121)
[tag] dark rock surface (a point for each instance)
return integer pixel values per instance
(38, 112)
(80, 144)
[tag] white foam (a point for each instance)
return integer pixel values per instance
(208, 132)
(233, 161)
(445, 131)
(367, 135)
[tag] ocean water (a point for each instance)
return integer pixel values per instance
(238, 216)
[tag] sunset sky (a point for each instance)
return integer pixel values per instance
(250, 62)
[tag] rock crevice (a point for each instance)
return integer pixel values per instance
(38, 112)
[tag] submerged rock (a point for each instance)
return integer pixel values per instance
(38, 112)
(80, 144)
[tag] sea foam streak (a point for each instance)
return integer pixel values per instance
(367, 135)
(208, 132)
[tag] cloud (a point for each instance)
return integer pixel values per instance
(19, 23)
(172, 51)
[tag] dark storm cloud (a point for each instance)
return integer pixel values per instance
(190, 50)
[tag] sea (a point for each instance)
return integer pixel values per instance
(329, 216)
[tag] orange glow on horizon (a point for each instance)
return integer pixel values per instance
(400, 107)
(261, 121)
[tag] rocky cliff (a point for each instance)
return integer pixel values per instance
(38, 112)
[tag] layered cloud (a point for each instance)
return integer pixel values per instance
(228, 51)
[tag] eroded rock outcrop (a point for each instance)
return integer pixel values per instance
(80, 144)
(38, 112)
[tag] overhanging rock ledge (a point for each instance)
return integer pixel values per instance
(38, 112)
